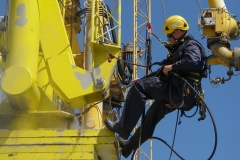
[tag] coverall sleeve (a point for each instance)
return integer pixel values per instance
(191, 58)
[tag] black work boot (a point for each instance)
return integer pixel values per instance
(126, 148)
(116, 127)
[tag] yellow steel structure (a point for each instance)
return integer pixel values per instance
(141, 18)
(48, 74)
(58, 144)
(220, 28)
(45, 80)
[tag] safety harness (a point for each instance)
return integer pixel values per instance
(195, 76)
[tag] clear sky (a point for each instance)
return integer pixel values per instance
(194, 139)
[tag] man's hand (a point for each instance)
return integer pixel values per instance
(170, 106)
(166, 69)
(133, 81)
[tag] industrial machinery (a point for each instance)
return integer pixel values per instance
(53, 91)
(220, 27)
(62, 74)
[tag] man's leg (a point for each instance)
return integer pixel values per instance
(156, 112)
(147, 88)
(132, 110)
(134, 106)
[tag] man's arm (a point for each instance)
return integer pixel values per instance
(167, 69)
(191, 59)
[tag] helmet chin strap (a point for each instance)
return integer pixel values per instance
(179, 41)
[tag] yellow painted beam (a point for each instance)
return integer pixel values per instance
(75, 86)
(40, 156)
(20, 66)
(58, 144)
(105, 151)
(56, 133)
(51, 137)
(47, 148)
(54, 140)
(23, 37)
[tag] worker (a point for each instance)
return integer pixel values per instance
(186, 58)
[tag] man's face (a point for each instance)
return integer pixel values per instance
(175, 34)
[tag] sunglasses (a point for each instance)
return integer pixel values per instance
(169, 35)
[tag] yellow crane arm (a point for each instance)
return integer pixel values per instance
(220, 28)
(38, 41)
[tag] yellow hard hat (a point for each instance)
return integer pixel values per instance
(175, 22)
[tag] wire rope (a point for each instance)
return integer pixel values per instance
(163, 8)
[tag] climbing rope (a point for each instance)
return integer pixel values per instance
(163, 8)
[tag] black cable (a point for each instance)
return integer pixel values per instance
(82, 12)
(125, 70)
(127, 58)
(214, 125)
(124, 76)
(192, 114)
(87, 109)
(148, 53)
(175, 132)
(113, 57)
(179, 122)
(155, 63)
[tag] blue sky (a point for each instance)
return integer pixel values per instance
(194, 139)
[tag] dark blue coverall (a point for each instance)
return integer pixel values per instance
(187, 56)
